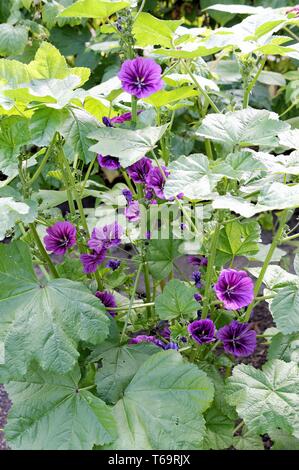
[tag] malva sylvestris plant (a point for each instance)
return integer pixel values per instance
(133, 273)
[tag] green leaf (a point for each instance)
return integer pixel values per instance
(13, 39)
(279, 196)
(51, 412)
(192, 176)
(281, 164)
(235, 9)
(161, 256)
(289, 139)
(57, 92)
(176, 301)
(248, 441)
(44, 123)
(285, 309)
(266, 399)
(94, 8)
(284, 441)
(76, 129)
(285, 347)
(128, 145)
(119, 365)
(164, 97)
(150, 31)
(246, 127)
(238, 239)
(14, 133)
(178, 79)
(44, 321)
(162, 406)
(49, 63)
(11, 212)
(219, 430)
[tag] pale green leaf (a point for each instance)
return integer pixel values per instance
(285, 309)
(14, 133)
(150, 31)
(192, 176)
(246, 127)
(94, 8)
(13, 39)
(44, 123)
(266, 399)
(128, 145)
(165, 97)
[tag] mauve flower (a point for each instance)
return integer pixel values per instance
(108, 162)
(171, 345)
(238, 338)
(202, 331)
(107, 121)
(141, 77)
(146, 339)
(113, 264)
(61, 236)
(198, 260)
(139, 170)
(162, 329)
(108, 300)
(118, 119)
(295, 10)
(196, 275)
(128, 195)
(148, 235)
(91, 261)
(234, 289)
(107, 236)
(155, 180)
(132, 212)
(198, 297)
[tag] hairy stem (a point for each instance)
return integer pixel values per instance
(210, 269)
(43, 252)
(252, 83)
(131, 301)
(268, 258)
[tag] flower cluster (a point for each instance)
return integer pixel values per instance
(102, 238)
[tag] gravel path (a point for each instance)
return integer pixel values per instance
(5, 404)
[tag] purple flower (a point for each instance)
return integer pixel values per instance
(132, 212)
(196, 275)
(155, 180)
(148, 235)
(163, 330)
(139, 170)
(234, 289)
(128, 195)
(172, 345)
(107, 236)
(108, 300)
(202, 331)
(107, 121)
(140, 77)
(198, 297)
(109, 162)
(113, 264)
(146, 339)
(295, 10)
(91, 261)
(198, 260)
(61, 236)
(238, 339)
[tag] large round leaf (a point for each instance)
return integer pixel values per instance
(50, 411)
(162, 406)
(44, 322)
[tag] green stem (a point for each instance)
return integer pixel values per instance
(131, 301)
(290, 32)
(134, 111)
(44, 161)
(128, 181)
(202, 90)
(125, 307)
(42, 251)
(147, 288)
(90, 167)
(208, 148)
(292, 237)
(210, 269)
(252, 83)
(268, 258)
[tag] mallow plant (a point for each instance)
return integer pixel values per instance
(127, 299)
